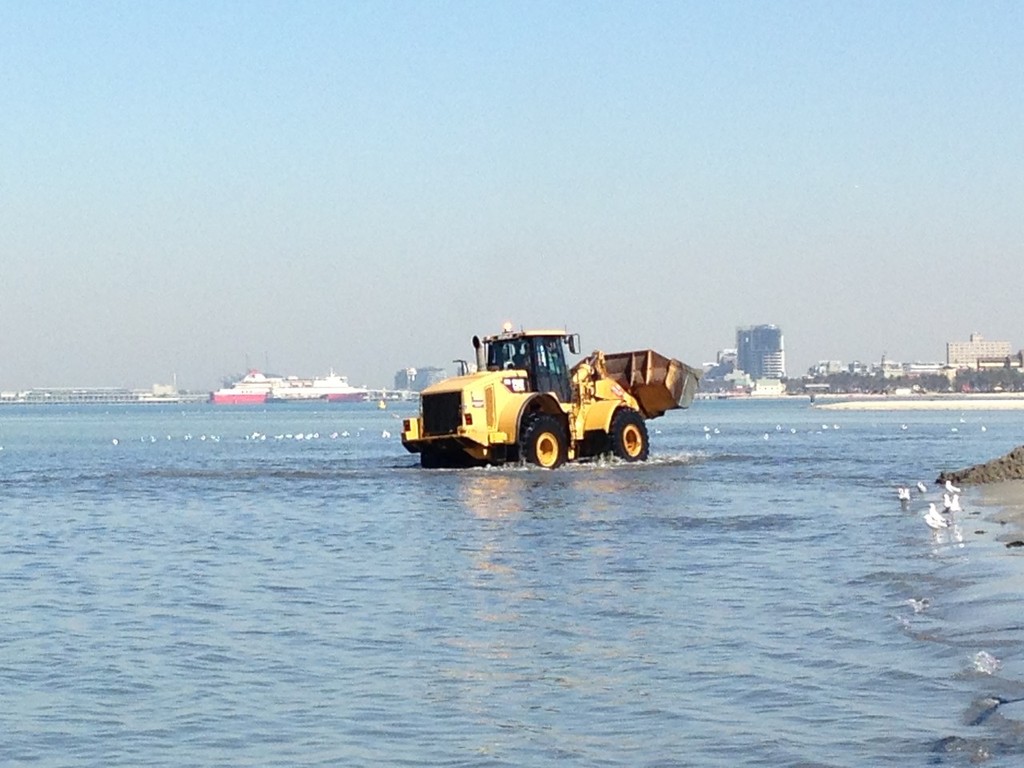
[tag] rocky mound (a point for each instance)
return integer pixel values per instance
(1008, 467)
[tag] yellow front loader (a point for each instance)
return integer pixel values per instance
(524, 403)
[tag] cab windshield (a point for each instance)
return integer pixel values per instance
(542, 357)
(507, 355)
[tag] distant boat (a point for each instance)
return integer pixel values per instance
(331, 388)
(252, 389)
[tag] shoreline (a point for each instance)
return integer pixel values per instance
(990, 402)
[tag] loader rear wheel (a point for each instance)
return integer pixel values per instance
(432, 459)
(446, 459)
(543, 441)
(628, 437)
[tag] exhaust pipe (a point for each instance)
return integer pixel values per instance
(481, 363)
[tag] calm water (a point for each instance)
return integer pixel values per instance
(213, 590)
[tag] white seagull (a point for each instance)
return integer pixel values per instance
(921, 487)
(954, 503)
(903, 494)
(951, 488)
(934, 519)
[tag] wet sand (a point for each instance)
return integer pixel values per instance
(1004, 505)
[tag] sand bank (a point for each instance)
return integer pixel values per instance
(957, 403)
(1006, 501)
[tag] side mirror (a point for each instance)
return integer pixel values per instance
(573, 340)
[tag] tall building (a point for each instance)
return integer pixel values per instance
(418, 379)
(759, 352)
(968, 354)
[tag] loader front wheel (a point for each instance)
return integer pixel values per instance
(628, 437)
(543, 441)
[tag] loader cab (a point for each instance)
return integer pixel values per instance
(542, 356)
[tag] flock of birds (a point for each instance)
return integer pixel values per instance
(933, 518)
(708, 431)
(261, 436)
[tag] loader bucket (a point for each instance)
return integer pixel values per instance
(657, 382)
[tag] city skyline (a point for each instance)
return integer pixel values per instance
(434, 371)
(958, 354)
(190, 188)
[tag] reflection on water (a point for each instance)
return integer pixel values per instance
(492, 493)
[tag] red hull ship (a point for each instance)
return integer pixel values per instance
(253, 389)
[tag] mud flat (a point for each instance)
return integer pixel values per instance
(1014, 402)
(1006, 499)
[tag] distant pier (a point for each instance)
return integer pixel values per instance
(155, 396)
(99, 396)
(391, 394)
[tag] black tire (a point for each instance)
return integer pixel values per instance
(439, 458)
(628, 439)
(543, 441)
(432, 459)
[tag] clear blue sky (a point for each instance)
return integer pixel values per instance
(188, 187)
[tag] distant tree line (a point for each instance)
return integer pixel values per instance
(875, 383)
(993, 380)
